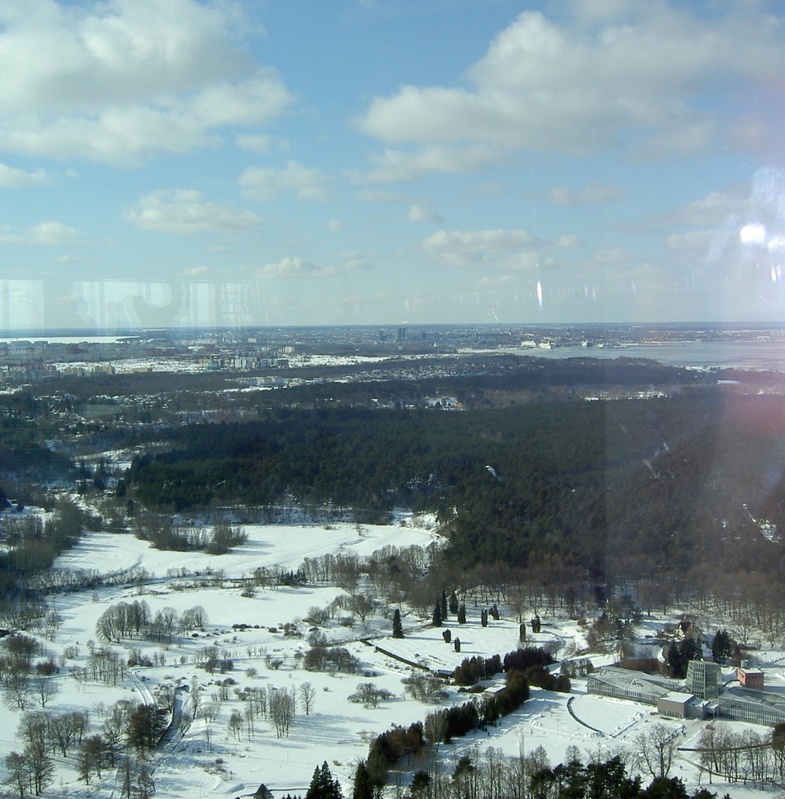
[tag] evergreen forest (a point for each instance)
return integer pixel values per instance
(692, 478)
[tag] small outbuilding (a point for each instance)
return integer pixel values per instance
(675, 704)
(750, 678)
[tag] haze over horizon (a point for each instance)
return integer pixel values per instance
(229, 162)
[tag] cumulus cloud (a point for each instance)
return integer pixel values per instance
(188, 212)
(291, 266)
(267, 183)
(255, 143)
(396, 166)
(591, 194)
(506, 249)
(356, 262)
(568, 241)
(628, 75)
(123, 80)
(44, 234)
(694, 244)
(13, 178)
(734, 226)
(712, 210)
(419, 213)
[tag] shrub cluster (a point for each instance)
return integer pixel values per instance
(321, 657)
(162, 534)
(390, 747)
(472, 670)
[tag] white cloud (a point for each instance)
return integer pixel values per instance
(591, 194)
(121, 80)
(712, 210)
(568, 241)
(188, 212)
(507, 280)
(694, 244)
(419, 213)
(291, 267)
(267, 183)
(195, 271)
(44, 234)
(505, 249)
(260, 143)
(296, 267)
(13, 178)
(335, 225)
(629, 75)
(255, 143)
(354, 262)
(395, 166)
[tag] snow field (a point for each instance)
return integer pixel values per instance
(208, 761)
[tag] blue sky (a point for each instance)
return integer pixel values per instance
(277, 162)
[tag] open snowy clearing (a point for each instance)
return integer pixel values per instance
(285, 546)
(208, 760)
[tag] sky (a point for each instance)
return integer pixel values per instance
(275, 162)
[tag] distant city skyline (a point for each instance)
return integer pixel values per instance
(237, 163)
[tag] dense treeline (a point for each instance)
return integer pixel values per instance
(530, 775)
(466, 375)
(678, 480)
(23, 453)
(31, 545)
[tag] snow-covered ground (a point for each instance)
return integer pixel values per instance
(209, 761)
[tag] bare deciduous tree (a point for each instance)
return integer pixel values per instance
(235, 724)
(370, 695)
(45, 689)
(307, 695)
(655, 749)
(281, 704)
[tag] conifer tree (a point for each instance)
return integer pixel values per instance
(323, 786)
(397, 627)
(363, 784)
(462, 614)
(437, 615)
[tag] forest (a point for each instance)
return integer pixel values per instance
(560, 488)
(679, 481)
(678, 468)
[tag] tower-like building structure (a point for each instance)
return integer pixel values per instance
(704, 679)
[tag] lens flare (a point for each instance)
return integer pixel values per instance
(752, 233)
(776, 244)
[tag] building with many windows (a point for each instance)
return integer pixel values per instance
(704, 694)
(628, 684)
(704, 679)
